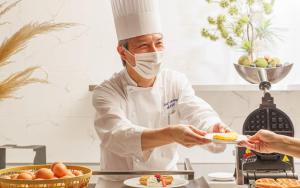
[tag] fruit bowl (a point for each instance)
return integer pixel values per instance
(274, 74)
(70, 182)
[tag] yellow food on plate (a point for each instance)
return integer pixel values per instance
(231, 136)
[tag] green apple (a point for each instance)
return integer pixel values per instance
(245, 60)
(261, 62)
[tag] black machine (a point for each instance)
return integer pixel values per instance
(251, 165)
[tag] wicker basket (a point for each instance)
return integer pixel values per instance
(72, 182)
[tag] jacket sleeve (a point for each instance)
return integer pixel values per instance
(193, 109)
(116, 132)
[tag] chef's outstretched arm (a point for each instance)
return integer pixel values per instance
(196, 111)
(186, 135)
(265, 141)
(122, 137)
(199, 113)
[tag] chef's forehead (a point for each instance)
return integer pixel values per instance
(146, 38)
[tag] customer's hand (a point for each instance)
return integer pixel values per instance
(263, 141)
(188, 135)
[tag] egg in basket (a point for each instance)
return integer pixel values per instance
(56, 175)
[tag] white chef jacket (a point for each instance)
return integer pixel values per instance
(124, 111)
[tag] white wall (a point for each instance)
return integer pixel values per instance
(211, 63)
(60, 114)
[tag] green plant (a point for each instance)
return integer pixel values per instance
(244, 24)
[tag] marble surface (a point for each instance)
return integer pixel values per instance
(67, 127)
(60, 114)
(232, 87)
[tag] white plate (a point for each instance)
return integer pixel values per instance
(221, 176)
(177, 182)
(210, 136)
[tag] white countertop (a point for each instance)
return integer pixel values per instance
(193, 184)
(243, 87)
(201, 170)
(235, 87)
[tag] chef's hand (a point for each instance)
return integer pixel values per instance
(263, 141)
(220, 128)
(188, 135)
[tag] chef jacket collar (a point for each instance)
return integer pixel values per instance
(132, 84)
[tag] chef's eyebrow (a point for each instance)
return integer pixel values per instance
(161, 37)
(156, 39)
(141, 41)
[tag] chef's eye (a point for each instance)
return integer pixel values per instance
(160, 43)
(142, 46)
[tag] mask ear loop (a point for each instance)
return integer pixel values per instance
(127, 51)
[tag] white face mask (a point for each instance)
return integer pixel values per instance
(147, 64)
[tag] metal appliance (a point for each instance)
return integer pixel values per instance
(251, 165)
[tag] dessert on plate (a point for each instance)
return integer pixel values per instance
(156, 180)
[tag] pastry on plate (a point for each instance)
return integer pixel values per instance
(288, 183)
(267, 183)
(278, 183)
(231, 136)
(156, 180)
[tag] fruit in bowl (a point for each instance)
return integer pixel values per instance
(275, 62)
(245, 60)
(261, 62)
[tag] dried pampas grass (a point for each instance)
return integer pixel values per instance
(18, 80)
(16, 43)
(5, 10)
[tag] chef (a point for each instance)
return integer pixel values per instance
(144, 112)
